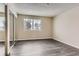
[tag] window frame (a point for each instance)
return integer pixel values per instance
(31, 29)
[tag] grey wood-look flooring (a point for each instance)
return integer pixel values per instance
(46, 47)
(2, 49)
(43, 48)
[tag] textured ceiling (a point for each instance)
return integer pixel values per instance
(42, 9)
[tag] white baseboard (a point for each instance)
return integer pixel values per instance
(29, 39)
(32, 39)
(65, 43)
(2, 40)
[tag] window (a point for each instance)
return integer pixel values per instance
(32, 24)
(2, 24)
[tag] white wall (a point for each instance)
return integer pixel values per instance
(66, 27)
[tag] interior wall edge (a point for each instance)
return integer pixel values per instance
(34, 15)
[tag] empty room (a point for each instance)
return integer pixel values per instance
(39, 29)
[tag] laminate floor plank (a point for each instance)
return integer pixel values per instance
(43, 48)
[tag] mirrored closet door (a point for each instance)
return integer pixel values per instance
(10, 30)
